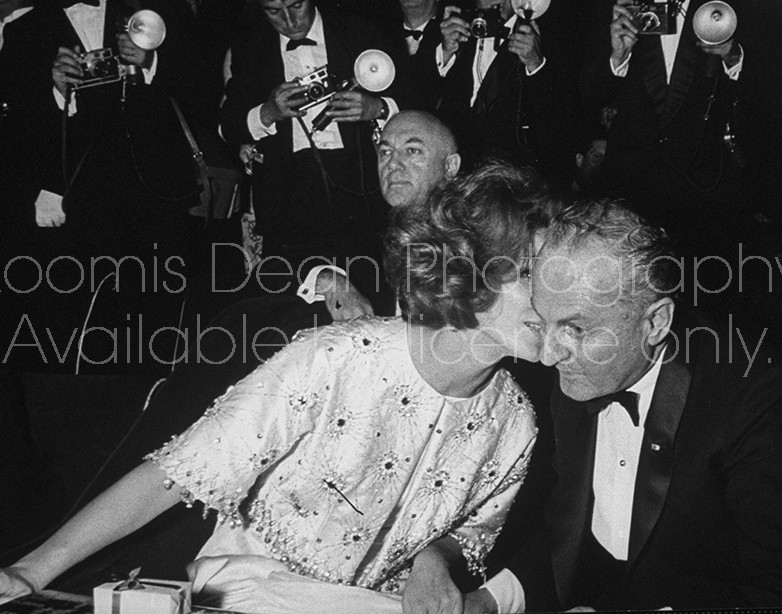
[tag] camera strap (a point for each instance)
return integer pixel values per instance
(323, 173)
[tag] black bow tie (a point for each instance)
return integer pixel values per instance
(627, 399)
(66, 4)
(295, 44)
(416, 34)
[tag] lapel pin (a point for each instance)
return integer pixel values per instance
(655, 447)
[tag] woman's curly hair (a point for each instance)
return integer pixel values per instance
(448, 257)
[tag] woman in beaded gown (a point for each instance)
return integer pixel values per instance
(355, 466)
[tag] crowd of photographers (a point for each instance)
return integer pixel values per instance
(106, 228)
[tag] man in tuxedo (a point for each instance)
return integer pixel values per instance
(509, 95)
(315, 193)
(416, 153)
(109, 177)
(418, 29)
(678, 100)
(667, 488)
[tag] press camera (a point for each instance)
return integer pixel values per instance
(654, 18)
(485, 23)
(321, 85)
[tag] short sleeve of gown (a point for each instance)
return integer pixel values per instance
(243, 433)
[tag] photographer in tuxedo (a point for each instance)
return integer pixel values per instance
(315, 192)
(509, 94)
(679, 112)
(114, 175)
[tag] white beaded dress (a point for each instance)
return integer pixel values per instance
(337, 462)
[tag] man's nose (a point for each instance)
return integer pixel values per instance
(290, 19)
(554, 351)
(395, 161)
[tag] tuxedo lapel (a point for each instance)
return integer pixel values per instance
(576, 435)
(684, 66)
(652, 62)
(496, 78)
(115, 17)
(655, 463)
(431, 36)
(340, 62)
(63, 26)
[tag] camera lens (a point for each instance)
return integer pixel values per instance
(649, 21)
(99, 68)
(316, 91)
(479, 28)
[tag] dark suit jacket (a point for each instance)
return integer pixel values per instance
(660, 150)
(707, 513)
(421, 68)
(509, 99)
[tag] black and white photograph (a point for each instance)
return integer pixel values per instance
(390, 306)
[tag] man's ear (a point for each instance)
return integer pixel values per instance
(579, 160)
(658, 318)
(452, 165)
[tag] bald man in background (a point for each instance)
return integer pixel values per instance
(415, 154)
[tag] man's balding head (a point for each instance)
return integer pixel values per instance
(416, 153)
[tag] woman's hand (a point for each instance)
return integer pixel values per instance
(13, 585)
(429, 589)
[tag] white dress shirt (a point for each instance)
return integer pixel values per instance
(617, 451)
(618, 448)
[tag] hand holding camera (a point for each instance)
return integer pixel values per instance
(728, 51)
(454, 31)
(624, 32)
(132, 53)
(284, 102)
(67, 69)
(525, 43)
(354, 106)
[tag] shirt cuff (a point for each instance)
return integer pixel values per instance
(149, 73)
(734, 71)
(307, 290)
(60, 100)
(537, 70)
(48, 209)
(621, 70)
(507, 592)
(441, 66)
(256, 127)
